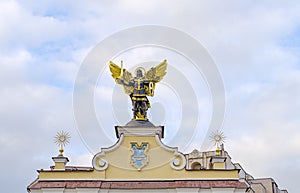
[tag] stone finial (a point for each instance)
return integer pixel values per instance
(61, 139)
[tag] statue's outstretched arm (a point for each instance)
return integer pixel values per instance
(125, 83)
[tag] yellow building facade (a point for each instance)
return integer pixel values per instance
(140, 162)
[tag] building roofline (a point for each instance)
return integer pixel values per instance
(166, 184)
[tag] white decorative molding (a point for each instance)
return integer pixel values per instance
(60, 159)
(150, 190)
(101, 164)
(179, 161)
(218, 159)
(52, 190)
(168, 148)
(176, 163)
(139, 131)
(113, 147)
(195, 154)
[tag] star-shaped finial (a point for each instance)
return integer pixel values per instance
(217, 137)
(62, 138)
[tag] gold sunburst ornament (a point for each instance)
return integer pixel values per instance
(62, 138)
(218, 138)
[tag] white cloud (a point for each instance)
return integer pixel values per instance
(13, 67)
(22, 28)
(42, 46)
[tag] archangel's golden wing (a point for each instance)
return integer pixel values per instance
(115, 70)
(121, 76)
(156, 74)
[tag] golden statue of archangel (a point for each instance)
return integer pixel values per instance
(140, 86)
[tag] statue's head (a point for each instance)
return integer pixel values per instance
(139, 73)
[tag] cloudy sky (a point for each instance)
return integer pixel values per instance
(254, 44)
